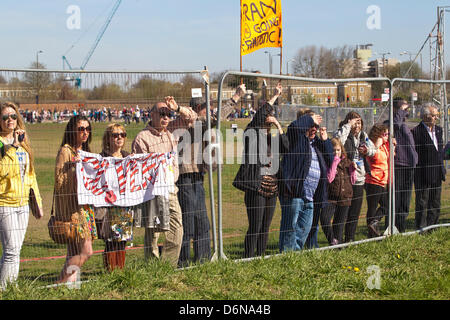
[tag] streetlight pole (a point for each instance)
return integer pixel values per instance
(37, 58)
(384, 62)
(37, 76)
(270, 61)
(289, 94)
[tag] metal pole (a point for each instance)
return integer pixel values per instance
(210, 167)
(444, 75)
(391, 182)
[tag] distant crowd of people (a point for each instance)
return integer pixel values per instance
(318, 178)
(127, 114)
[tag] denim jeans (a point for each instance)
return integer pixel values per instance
(312, 240)
(13, 226)
(296, 220)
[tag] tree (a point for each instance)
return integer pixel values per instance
(37, 80)
(314, 62)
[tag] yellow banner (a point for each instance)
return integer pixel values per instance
(260, 25)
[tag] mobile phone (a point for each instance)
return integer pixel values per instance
(21, 137)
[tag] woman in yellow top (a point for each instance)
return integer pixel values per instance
(77, 136)
(17, 177)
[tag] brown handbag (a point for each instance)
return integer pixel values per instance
(61, 232)
(269, 186)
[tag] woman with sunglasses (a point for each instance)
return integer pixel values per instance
(114, 224)
(77, 136)
(377, 178)
(17, 177)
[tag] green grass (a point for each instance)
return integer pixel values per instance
(411, 267)
(46, 139)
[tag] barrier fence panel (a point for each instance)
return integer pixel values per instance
(249, 224)
(420, 93)
(245, 220)
(47, 99)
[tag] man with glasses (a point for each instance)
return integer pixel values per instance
(430, 170)
(157, 137)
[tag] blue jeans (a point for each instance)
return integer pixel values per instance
(312, 240)
(296, 221)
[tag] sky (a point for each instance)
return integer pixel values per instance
(173, 35)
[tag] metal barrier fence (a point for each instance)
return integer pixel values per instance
(84, 91)
(47, 99)
(233, 204)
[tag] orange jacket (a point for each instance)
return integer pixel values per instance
(379, 166)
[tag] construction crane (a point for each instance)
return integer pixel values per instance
(94, 46)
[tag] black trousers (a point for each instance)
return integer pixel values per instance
(191, 196)
(354, 212)
(337, 214)
(375, 195)
(260, 212)
(404, 179)
(428, 204)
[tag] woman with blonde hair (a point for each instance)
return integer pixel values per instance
(114, 224)
(17, 178)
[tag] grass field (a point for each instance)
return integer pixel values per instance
(412, 267)
(37, 268)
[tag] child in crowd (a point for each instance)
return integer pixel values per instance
(341, 177)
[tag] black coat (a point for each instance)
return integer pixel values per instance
(296, 163)
(430, 169)
(248, 177)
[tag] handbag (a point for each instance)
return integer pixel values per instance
(269, 186)
(61, 232)
(32, 203)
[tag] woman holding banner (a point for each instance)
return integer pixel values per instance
(114, 224)
(77, 136)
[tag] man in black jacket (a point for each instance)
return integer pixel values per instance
(430, 170)
(303, 183)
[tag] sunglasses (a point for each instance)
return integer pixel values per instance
(13, 116)
(163, 114)
(82, 129)
(386, 134)
(121, 134)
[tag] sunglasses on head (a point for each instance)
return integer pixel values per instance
(7, 116)
(121, 134)
(82, 129)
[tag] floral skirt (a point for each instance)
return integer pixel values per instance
(86, 224)
(121, 220)
(115, 223)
